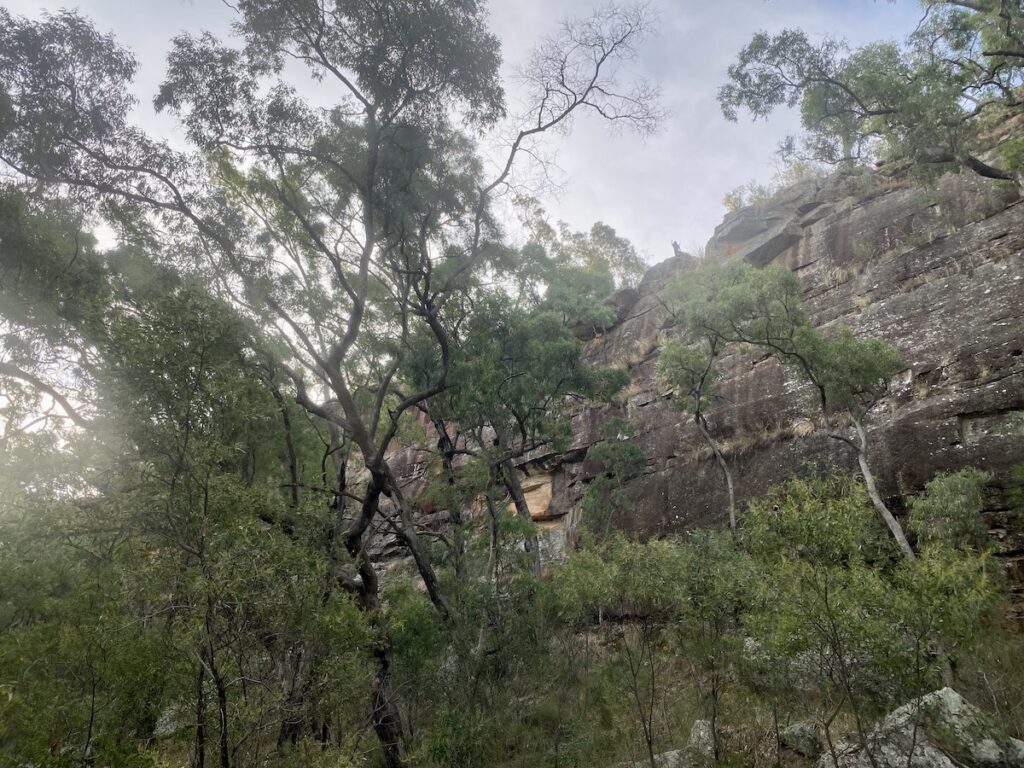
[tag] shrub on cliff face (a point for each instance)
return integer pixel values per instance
(949, 510)
(760, 195)
(621, 461)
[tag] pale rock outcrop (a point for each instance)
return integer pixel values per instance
(938, 730)
(698, 752)
(702, 739)
(803, 738)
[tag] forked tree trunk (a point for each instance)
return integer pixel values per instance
(515, 490)
(385, 716)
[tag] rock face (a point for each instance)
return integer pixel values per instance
(699, 751)
(939, 273)
(802, 738)
(939, 730)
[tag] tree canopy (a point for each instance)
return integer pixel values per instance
(278, 464)
(930, 99)
(343, 239)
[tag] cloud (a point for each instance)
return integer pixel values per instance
(666, 188)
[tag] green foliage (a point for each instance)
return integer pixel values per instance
(573, 273)
(760, 196)
(740, 303)
(690, 371)
(751, 194)
(621, 461)
(514, 371)
(74, 684)
(1011, 152)
(853, 372)
(599, 252)
(948, 512)
(928, 99)
(198, 425)
(1015, 495)
(823, 521)
(625, 578)
(839, 607)
(415, 630)
(736, 303)
(717, 582)
(169, 534)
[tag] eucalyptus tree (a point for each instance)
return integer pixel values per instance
(573, 273)
(342, 230)
(691, 372)
(514, 378)
(853, 375)
(736, 303)
(517, 363)
(691, 368)
(929, 99)
(167, 514)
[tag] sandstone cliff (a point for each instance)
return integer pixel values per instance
(937, 272)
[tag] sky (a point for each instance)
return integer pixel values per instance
(653, 191)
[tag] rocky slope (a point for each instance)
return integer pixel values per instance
(939, 273)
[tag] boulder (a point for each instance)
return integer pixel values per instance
(938, 730)
(677, 758)
(172, 720)
(702, 739)
(699, 751)
(803, 738)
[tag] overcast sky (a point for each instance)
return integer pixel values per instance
(668, 187)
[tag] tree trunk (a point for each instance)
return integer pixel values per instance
(894, 528)
(222, 705)
(869, 481)
(419, 554)
(293, 670)
(210, 661)
(87, 755)
(493, 542)
(515, 490)
(289, 444)
(222, 711)
(385, 716)
(723, 465)
(387, 722)
(200, 743)
(446, 447)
